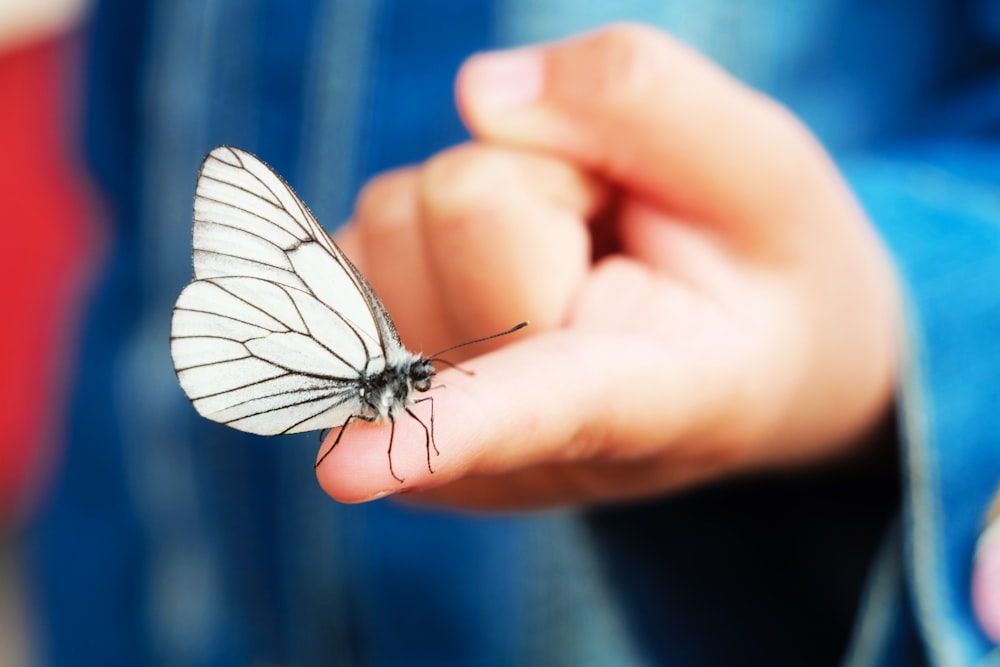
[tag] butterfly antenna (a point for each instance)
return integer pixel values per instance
(434, 357)
(458, 368)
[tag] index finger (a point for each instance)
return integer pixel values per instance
(530, 404)
(645, 111)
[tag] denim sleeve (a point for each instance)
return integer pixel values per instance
(937, 207)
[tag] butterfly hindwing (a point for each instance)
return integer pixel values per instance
(262, 368)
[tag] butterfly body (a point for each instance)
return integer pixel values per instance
(386, 394)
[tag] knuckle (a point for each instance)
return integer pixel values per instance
(387, 202)
(615, 66)
(463, 182)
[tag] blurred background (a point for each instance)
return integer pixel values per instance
(135, 532)
(49, 242)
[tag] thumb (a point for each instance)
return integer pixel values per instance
(649, 114)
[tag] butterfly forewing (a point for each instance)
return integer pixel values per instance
(249, 222)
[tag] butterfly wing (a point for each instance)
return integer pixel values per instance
(278, 327)
(264, 357)
(249, 222)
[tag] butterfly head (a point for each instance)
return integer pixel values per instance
(421, 373)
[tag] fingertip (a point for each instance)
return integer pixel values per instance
(362, 467)
(499, 81)
(353, 471)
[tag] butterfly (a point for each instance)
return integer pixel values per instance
(278, 332)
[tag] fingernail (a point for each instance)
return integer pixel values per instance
(986, 581)
(367, 499)
(504, 80)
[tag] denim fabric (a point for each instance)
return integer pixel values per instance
(171, 540)
(939, 211)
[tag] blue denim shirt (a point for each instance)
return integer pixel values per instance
(171, 540)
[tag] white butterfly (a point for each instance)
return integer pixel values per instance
(278, 332)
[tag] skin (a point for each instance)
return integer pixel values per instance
(706, 298)
(985, 583)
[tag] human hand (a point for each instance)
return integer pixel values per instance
(740, 315)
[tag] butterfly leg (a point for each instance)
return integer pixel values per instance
(339, 436)
(428, 432)
(433, 444)
(392, 436)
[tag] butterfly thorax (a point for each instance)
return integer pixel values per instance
(387, 393)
